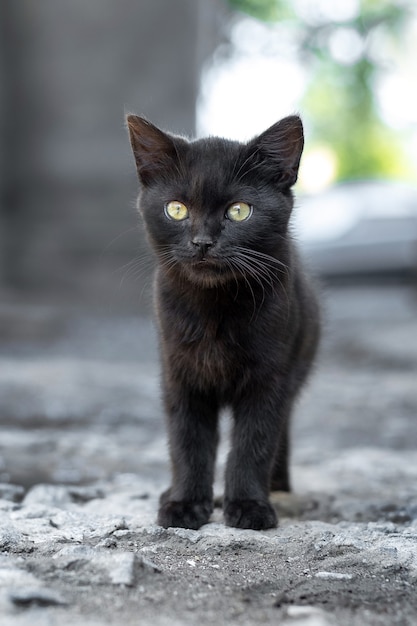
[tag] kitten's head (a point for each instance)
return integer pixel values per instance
(217, 210)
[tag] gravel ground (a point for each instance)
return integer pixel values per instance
(83, 459)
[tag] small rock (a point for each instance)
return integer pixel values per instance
(34, 596)
(72, 554)
(6, 506)
(186, 533)
(155, 531)
(122, 570)
(108, 542)
(80, 495)
(333, 576)
(108, 527)
(11, 539)
(50, 495)
(33, 512)
(149, 565)
(303, 611)
(346, 542)
(307, 616)
(14, 493)
(118, 568)
(119, 534)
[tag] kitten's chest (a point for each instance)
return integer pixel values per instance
(204, 345)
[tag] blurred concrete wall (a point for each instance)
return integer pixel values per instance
(68, 71)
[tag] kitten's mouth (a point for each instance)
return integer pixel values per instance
(207, 263)
(204, 261)
(207, 270)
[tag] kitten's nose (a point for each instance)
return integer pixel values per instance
(203, 243)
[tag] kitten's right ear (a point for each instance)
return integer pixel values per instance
(152, 148)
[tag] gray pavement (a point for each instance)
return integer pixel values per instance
(83, 459)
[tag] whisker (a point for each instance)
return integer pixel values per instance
(269, 271)
(123, 234)
(264, 269)
(231, 268)
(135, 272)
(240, 270)
(261, 268)
(252, 272)
(268, 262)
(266, 257)
(132, 262)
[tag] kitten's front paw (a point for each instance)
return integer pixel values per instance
(184, 514)
(250, 514)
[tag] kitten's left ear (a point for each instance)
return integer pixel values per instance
(280, 148)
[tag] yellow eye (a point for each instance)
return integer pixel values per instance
(239, 211)
(176, 210)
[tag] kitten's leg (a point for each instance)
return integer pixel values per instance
(193, 437)
(280, 478)
(259, 424)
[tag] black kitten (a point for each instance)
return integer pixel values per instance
(238, 318)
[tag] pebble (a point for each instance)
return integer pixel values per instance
(122, 570)
(11, 539)
(14, 493)
(186, 533)
(116, 567)
(333, 576)
(85, 494)
(306, 615)
(25, 597)
(73, 553)
(48, 495)
(149, 565)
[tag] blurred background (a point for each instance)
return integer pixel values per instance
(79, 381)
(70, 71)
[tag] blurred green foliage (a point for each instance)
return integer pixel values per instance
(340, 103)
(265, 10)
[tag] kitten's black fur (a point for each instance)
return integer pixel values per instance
(237, 316)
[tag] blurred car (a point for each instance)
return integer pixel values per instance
(363, 227)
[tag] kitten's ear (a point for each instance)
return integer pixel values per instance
(280, 148)
(153, 149)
